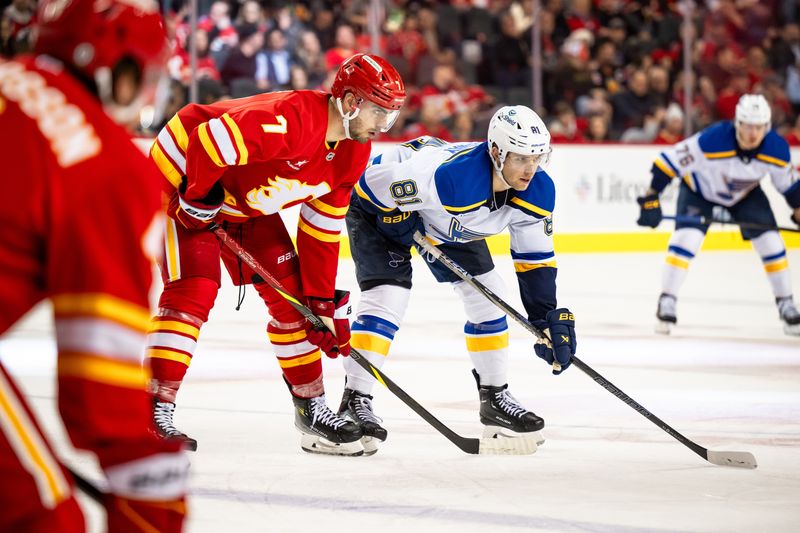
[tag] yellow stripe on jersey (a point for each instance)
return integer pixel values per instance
(30, 449)
(319, 235)
(487, 343)
(777, 266)
(772, 160)
(102, 305)
(299, 361)
(237, 137)
(465, 208)
(665, 168)
(172, 251)
(202, 133)
(720, 155)
(530, 207)
(102, 370)
(179, 132)
(371, 343)
(176, 326)
(170, 171)
(362, 194)
(328, 209)
(169, 355)
(687, 178)
(526, 267)
(677, 262)
(286, 338)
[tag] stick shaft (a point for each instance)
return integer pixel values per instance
(747, 225)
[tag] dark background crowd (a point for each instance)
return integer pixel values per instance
(612, 70)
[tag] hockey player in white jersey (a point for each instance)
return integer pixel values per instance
(722, 166)
(459, 194)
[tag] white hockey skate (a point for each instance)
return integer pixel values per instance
(666, 315)
(789, 315)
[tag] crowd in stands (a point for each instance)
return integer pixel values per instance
(612, 69)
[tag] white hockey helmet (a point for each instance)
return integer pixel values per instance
(520, 130)
(753, 109)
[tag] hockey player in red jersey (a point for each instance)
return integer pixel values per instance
(239, 163)
(84, 207)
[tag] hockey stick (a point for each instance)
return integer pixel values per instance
(738, 459)
(468, 445)
(747, 225)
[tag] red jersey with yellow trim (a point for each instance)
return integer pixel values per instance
(270, 153)
(82, 206)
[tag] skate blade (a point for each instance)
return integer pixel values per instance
(370, 445)
(321, 445)
(663, 328)
(501, 441)
(792, 329)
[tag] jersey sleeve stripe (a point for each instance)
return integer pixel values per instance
(530, 207)
(665, 168)
(102, 370)
(464, 209)
(720, 155)
(208, 145)
(670, 163)
(175, 153)
(366, 194)
(177, 130)
(165, 165)
(316, 233)
(29, 448)
(526, 267)
(237, 138)
(223, 139)
(772, 160)
(321, 221)
(102, 305)
(322, 207)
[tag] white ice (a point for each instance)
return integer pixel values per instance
(728, 378)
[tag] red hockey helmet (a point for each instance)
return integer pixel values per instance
(371, 78)
(97, 36)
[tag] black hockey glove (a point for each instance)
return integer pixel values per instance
(651, 210)
(561, 325)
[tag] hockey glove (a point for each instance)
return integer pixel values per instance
(651, 210)
(335, 314)
(561, 326)
(197, 214)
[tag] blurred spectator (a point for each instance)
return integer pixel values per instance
(631, 105)
(275, 64)
(298, 79)
(241, 62)
(251, 13)
(463, 127)
(407, 44)
(651, 124)
(757, 65)
(308, 55)
(345, 47)
(564, 128)
(323, 25)
(511, 55)
(793, 136)
(597, 129)
(580, 16)
(658, 83)
(221, 32)
(178, 64)
(738, 85)
(785, 47)
(672, 130)
(430, 123)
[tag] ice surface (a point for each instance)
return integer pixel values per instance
(728, 378)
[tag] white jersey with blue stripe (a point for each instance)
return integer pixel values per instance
(711, 164)
(450, 186)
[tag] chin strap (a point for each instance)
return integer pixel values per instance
(346, 118)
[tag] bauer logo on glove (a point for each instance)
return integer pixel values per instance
(561, 329)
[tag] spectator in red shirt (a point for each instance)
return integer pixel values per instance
(672, 130)
(730, 94)
(408, 43)
(345, 47)
(178, 64)
(564, 128)
(430, 122)
(793, 137)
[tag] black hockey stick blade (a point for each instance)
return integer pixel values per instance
(736, 459)
(465, 444)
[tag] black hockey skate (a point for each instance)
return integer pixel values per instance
(789, 314)
(323, 431)
(667, 317)
(164, 427)
(357, 407)
(504, 417)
